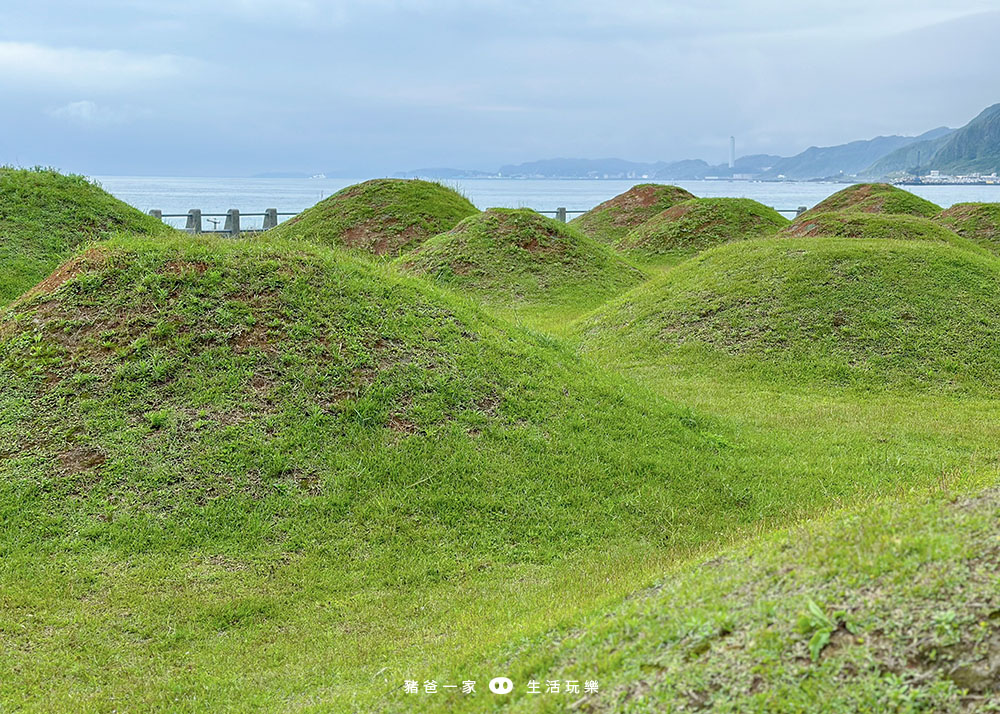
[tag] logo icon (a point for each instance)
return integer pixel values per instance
(501, 685)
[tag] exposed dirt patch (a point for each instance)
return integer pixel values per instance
(636, 198)
(534, 246)
(79, 459)
(67, 271)
(675, 212)
(257, 337)
(380, 239)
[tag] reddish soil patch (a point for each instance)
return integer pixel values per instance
(79, 459)
(374, 238)
(68, 270)
(256, 337)
(533, 245)
(621, 208)
(676, 212)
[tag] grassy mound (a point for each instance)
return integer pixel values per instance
(610, 221)
(44, 216)
(207, 443)
(871, 226)
(913, 312)
(873, 198)
(979, 222)
(700, 223)
(514, 258)
(892, 608)
(380, 217)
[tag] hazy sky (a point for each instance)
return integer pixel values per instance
(236, 87)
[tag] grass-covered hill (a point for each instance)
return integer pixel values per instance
(238, 470)
(890, 608)
(516, 259)
(979, 222)
(875, 226)
(611, 220)
(846, 310)
(45, 215)
(697, 224)
(873, 198)
(380, 217)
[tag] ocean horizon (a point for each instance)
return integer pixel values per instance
(292, 195)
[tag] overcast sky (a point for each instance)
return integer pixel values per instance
(236, 87)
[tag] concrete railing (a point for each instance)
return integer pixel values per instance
(232, 226)
(560, 213)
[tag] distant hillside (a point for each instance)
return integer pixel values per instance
(846, 159)
(975, 148)
(446, 173)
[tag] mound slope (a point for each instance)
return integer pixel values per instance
(515, 257)
(873, 198)
(187, 370)
(381, 216)
(894, 602)
(871, 226)
(45, 215)
(914, 312)
(979, 222)
(611, 220)
(700, 223)
(266, 412)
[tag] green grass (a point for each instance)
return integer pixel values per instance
(910, 314)
(277, 437)
(523, 264)
(697, 224)
(874, 198)
(873, 226)
(45, 215)
(611, 220)
(381, 217)
(890, 608)
(272, 475)
(979, 222)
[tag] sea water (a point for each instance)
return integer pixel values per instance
(250, 195)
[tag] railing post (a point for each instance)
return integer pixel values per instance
(156, 213)
(270, 218)
(193, 221)
(233, 222)
(561, 214)
(800, 210)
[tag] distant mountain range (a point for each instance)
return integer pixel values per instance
(975, 148)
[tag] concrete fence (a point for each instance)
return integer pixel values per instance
(561, 212)
(232, 225)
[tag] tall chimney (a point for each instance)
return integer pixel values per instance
(732, 152)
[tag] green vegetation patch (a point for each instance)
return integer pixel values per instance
(610, 221)
(893, 608)
(873, 226)
(874, 198)
(209, 445)
(697, 224)
(979, 222)
(45, 215)
(511, 258)
(873, 312)
(380, 217)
